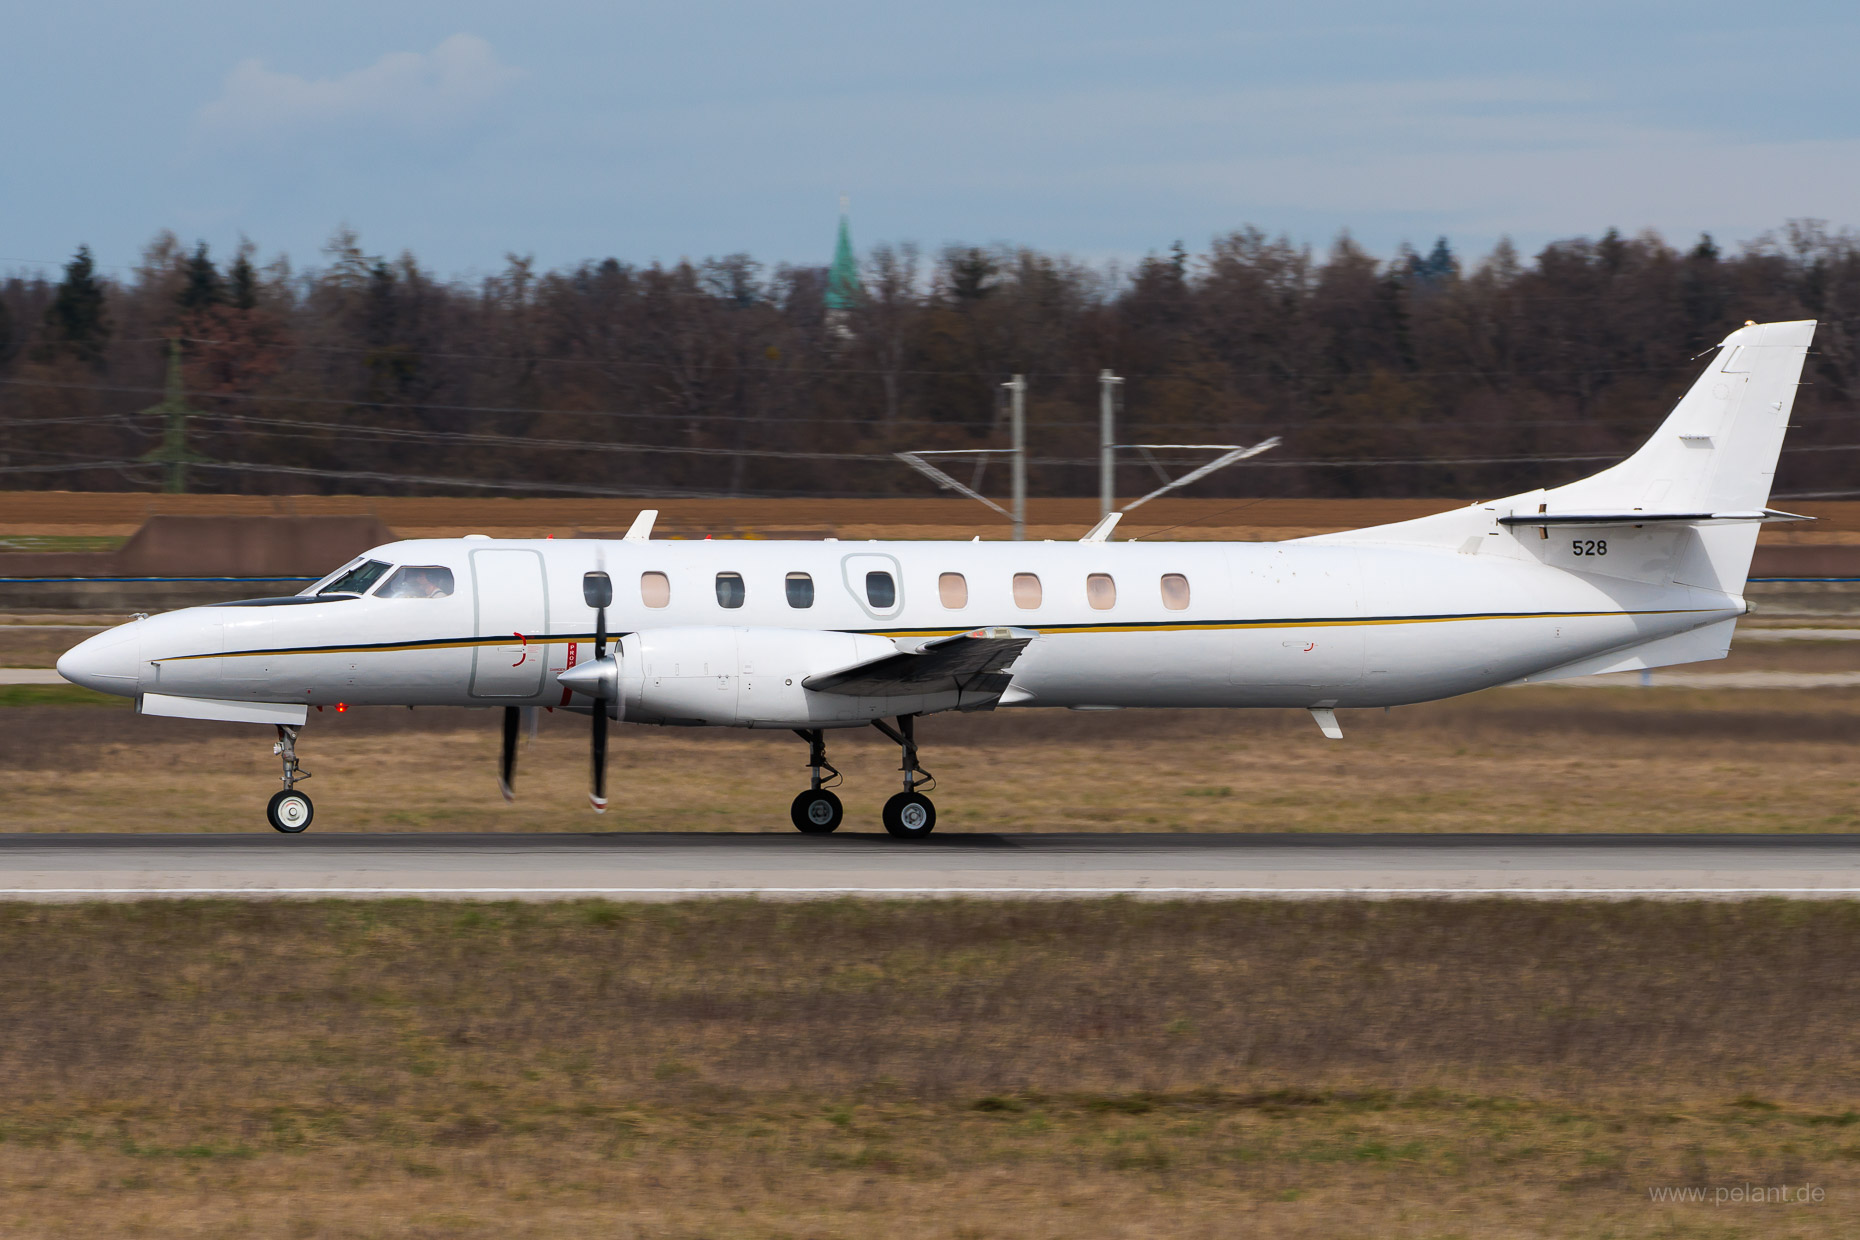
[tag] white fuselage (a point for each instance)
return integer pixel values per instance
(1298, 624)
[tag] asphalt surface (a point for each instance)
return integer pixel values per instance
(793, 866)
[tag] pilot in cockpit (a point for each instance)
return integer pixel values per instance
(418, 581)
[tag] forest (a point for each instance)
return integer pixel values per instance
(1414, 375)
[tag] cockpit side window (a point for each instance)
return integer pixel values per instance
(357, 579)
(418, 581)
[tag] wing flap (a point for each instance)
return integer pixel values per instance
(975, 660)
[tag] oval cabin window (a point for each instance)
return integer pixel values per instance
(655, 589)
(1175, 591)
(1100, 591)
(953, 589)
(881, 591)
(800, 590)
(1026, 590)
(730, 589)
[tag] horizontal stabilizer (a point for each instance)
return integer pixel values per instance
(1761, 516)
(977, 660)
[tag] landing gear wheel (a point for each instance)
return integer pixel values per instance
(910, 816)
(816, 812)
(290, 812)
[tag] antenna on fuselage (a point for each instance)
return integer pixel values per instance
(641, 529)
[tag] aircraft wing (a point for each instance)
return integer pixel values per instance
(974, 661)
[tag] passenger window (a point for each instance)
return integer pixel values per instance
(356, 580)
(881, 591)
(1026, 590)
(953, 589)
(655, 589)
(418, 581)
(1100, 591)
(1175, 591)
(800, 590)
(730, 589)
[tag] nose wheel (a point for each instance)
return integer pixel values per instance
(289, 811)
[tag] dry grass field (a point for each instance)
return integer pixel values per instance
(1538, 759)
(947, 1069)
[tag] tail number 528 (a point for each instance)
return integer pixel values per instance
(1589, 546)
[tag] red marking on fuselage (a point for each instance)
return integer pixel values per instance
(566, 692)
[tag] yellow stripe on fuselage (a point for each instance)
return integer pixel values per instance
(1161, 626)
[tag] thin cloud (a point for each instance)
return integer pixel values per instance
(405, 92)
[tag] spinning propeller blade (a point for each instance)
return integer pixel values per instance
(597, 589)
(507, 760)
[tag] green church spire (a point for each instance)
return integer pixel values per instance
(843, 291)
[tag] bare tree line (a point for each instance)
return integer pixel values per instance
(1414, 375)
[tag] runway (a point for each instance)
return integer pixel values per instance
(793, 866)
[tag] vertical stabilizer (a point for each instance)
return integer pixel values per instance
(1716, 452)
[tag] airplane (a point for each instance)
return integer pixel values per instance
(1641, 565)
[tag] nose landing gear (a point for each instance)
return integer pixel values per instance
(289, 811)
(910, 815)
(817, 811)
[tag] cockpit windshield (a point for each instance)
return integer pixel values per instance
(418, 581)
(356, 580)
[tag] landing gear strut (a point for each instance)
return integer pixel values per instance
(290, 811)
(910, 815)
(817, 811)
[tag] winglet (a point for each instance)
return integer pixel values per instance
(1327, 722)
(1101, 531)
(641, 529)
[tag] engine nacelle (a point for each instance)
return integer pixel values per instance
(744, 677)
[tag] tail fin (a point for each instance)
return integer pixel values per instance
(1715, 454)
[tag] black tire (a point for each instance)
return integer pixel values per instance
(910, 816)
(817, 812)
(290, 812)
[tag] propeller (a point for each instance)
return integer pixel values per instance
(507, 760)
(597, 589)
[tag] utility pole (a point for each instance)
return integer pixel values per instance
(173, 452)
(1017, 407)
(1108, 384)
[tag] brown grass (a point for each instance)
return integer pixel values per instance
(1543, 759)
(944, 1069)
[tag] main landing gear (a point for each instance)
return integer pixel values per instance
(290, 811)
(817, 811)
(910, 815)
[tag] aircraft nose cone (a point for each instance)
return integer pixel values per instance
(109, 663)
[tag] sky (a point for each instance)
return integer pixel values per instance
(465, 131)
